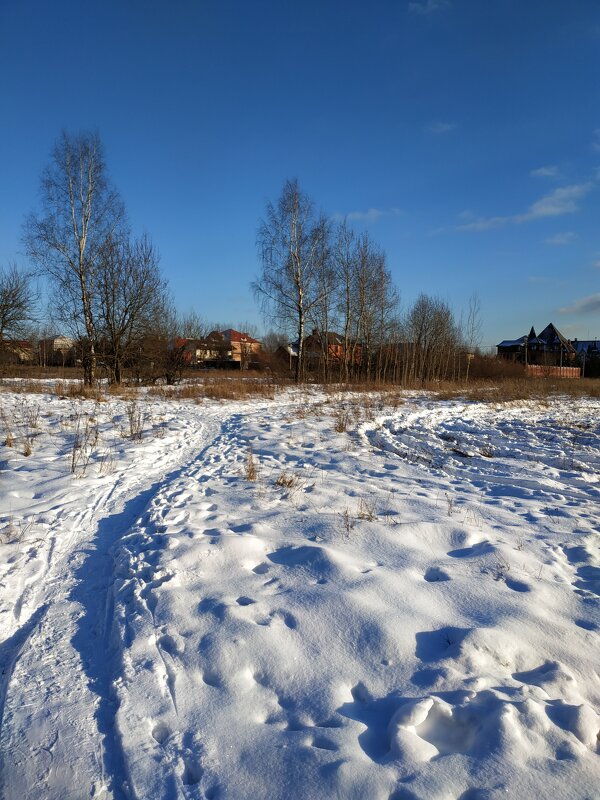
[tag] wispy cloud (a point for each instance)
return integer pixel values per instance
(596, 140)
(550, 171)
(587, 305)
(560, 239)
(564, 200)
(561, 201)
(440, 128)
(372, 215)
(424, 7)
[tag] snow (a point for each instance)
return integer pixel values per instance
(405, 609)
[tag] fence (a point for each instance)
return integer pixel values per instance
(540, 371)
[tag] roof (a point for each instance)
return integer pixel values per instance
(549, 337)
(330, 337)
(520, 342)
(585, 345)
(238, 336)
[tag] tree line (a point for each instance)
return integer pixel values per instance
(323, 276)
(109, 293)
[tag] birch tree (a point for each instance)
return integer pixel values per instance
(290, 246)
(80, 212)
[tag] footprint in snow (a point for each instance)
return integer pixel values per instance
(323, 743)
(436, 574)
(245, 601)
(479, 549)
(442, 643)
(586, 624)
(517, 586)
(161, 732)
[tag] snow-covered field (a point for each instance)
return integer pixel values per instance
(408, 608)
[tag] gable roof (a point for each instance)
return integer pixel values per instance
(552, 336)
(238, 336)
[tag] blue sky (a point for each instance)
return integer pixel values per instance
(464, 135)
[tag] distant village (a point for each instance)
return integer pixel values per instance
(547, 354)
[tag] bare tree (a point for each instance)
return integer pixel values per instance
(434, 340)
(290, 246)
(81, 211)
(344, 260)
(322, 313)
(192, 326)
(374, 299)
(130, 288)
(17, 301)
(472, 331)
(273, 340)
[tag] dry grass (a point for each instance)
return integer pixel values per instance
(123, 391)
(287, 480)
(228, 385)
(519, 389)
(219, 387)
(251, 470)
(342, 420)
(26, 387)
(135, 421)
(366, 510)
(62, 389)
(482, 390)
(36, 372)
(238, 388)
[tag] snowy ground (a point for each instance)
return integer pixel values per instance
(405, 609)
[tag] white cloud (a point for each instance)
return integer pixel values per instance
(424, 7)
(587, 305)
(560, 239)
(596, 141)
(564, 200)
(550, 171)
(561, 201)
(440, 128)
(372, 215)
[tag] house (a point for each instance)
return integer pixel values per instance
(57, 351)
(547, 354)
(16, 351)
(588, 356)
(243, 348)
(320, 347)
(548, 348)
(224, 349)
(587, 347)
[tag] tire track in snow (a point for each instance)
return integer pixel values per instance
(79, 613)
(10, 650)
